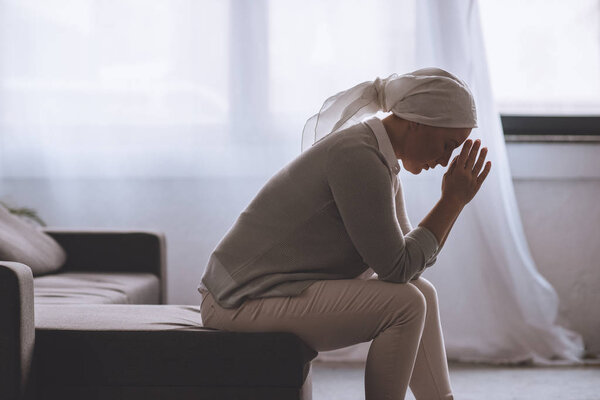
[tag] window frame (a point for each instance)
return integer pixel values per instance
(551, 128)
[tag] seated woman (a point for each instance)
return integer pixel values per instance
(326, 250)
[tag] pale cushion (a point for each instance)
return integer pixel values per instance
(119, 317)
(97, 288)
(26, 243)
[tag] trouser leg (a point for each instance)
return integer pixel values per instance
(430, 378)
(332, 314)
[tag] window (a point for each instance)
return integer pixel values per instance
(544, 62)
(96, 86)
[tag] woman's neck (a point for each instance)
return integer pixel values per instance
(396, 129)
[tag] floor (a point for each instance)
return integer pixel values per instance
(344, 381)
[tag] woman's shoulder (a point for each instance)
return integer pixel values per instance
(358, 137)
(355, 145)
(356, 148)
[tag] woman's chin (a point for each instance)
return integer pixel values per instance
(421, 169)
(413, 169)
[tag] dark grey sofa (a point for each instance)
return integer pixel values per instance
(101, 331)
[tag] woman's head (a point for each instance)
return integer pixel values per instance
(429, 96)
(433, 112)
(433, 99)
(421, 146)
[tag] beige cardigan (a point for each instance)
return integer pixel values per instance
(334, 212)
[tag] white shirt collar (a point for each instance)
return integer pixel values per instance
(383, 140)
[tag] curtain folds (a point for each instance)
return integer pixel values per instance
(495, 306)
(221, 90)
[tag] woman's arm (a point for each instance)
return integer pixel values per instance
(460, 184)
(441, 218)
(406, 226)
(447, 232)
(433, 258)
(361, 188)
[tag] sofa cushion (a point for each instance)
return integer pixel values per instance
(26, 243)
(97, 287)
(160, 346)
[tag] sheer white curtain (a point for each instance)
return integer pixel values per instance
(495, 306)
(111, 88)
(146, 89)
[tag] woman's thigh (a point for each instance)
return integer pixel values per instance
(328, 315)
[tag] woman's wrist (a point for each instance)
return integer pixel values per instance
(452, 202)
(442, 216)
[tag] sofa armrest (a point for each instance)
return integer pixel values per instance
(114, 250)
(17, 330)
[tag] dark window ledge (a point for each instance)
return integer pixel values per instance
(552, 138)
(570, 129)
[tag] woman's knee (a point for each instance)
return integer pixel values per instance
(427, 289)
(408, 302)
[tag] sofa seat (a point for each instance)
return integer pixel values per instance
(97, 288)
(139, 351)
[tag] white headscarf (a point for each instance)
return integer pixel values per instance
(430, 96)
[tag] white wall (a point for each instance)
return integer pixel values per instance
(558, 193)
(557, 188)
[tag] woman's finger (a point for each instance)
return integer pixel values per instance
(484, 174)
(472, 154)
(462, 157)
(452, 164)
(480, 161)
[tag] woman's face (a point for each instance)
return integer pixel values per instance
(427, 146)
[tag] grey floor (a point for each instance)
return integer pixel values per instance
(344, 381)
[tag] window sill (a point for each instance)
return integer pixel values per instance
(552, 138)
(554, 160)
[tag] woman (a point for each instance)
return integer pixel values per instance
(325, 250)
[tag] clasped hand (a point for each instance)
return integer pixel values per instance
(463, 179)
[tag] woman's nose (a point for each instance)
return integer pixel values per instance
(444, 160)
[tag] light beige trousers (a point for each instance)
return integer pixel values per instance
(402, 320)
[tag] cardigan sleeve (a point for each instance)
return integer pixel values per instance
(362, 190)
(406, 226)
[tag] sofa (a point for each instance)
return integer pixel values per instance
(98, 328)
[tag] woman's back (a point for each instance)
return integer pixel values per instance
(292, 233)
